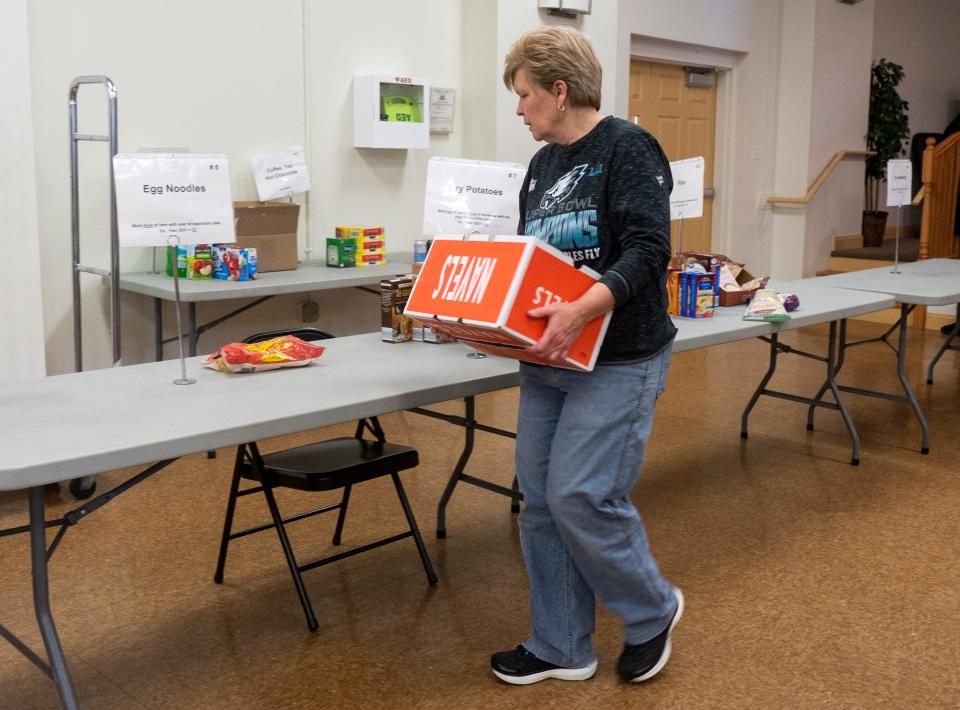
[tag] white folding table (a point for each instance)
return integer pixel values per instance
(817, 305)
(62, 427)
(932, 282)
(307, 277)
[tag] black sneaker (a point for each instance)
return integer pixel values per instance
(520, 667)
(644, 660)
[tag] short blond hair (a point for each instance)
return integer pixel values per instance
(557, 53)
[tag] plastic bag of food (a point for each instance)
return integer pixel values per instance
(728, 277)
(285, 351)
(766, 305)
(752, 284)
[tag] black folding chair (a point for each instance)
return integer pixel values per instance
(324, 466)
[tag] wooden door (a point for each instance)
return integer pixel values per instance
(683, 119)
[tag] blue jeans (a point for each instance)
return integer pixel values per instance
(580, 443)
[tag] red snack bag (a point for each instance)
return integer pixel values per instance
(285, 351)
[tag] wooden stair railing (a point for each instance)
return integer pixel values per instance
(821, 178)
(940, 175)
(918, 198)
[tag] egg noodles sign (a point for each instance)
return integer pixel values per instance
(464, 196)
(170, 198)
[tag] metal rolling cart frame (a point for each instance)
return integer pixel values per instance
(85, 486)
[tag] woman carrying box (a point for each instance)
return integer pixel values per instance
(599, 191)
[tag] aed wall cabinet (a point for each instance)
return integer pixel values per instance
(391, 112)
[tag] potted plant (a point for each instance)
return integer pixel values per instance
(887, 129)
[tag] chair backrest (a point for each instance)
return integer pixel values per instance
(308, 334)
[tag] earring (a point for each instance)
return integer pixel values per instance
(560, 107)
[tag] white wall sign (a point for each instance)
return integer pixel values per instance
(281, 174)
(686, 200)
(467, 195)
(160, 196)
(441, 109)
(899, 182)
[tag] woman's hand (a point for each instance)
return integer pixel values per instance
(567, 320)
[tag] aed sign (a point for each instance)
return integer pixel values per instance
(173, 198)
(480, 289)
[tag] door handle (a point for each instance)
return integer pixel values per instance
(708, 192)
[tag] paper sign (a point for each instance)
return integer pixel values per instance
(184, 196)
(899, 182)
(686, 200)
(471, 195)
(441, 109)
(280, 174)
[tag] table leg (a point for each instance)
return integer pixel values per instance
(158, 329)
(842, 351)
(468, 427)
(907, 390)
(832, 368)
(41, 600)
(943, 348)
(761, 387)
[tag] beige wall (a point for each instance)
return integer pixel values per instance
(747, 31)
(839, 105)
(922, 36)
(21, 316)
(233, 77)
(227, 76)
(513, 141)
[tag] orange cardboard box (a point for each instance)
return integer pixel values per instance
(480, 288)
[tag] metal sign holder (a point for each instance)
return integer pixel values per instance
(679, 221)
(174, 241)
(896, 245)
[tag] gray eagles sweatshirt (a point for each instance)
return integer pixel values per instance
(604, 201)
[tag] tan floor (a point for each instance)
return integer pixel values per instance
(809, 583)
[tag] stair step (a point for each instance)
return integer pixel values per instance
(848, 241)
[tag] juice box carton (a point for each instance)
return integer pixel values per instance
(234, 263)
(199, 264)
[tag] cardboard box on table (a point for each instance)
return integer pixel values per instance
(725, 298)
(271, 228)
(480, 288)
(737, 298)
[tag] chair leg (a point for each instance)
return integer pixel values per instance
(228, 519)
(421, 548)
(341, 516)
(514, 503)
(291, 560)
